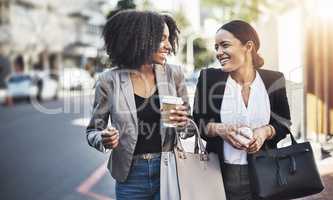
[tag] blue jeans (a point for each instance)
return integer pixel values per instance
(143, 181)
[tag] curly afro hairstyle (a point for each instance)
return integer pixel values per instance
(132, 37)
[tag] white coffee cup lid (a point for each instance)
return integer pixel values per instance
(172, 100)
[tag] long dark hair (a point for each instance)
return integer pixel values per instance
(244, 32)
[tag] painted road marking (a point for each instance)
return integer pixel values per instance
(86, 186)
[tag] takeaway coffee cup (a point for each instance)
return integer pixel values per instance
(169, 103)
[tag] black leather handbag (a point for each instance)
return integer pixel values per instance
(284, 173)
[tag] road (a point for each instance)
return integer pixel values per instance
(46, 156)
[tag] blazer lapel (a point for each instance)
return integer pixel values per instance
(127, 90)
(219, 92)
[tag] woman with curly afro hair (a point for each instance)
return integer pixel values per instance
(138, 44)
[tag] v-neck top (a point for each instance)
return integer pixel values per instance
(235, 112)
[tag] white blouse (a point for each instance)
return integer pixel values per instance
(233, 111)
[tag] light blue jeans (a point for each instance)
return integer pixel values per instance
(143, 181)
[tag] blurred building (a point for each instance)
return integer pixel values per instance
(298, 43)
(68, 29)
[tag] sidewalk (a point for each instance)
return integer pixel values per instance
(326, 171)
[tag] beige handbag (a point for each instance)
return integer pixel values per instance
(199, 173)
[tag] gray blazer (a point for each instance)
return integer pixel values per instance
(114, 98)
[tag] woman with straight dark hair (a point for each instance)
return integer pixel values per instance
(240, 107)
(138, 44)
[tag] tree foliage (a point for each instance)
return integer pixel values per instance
(181, 20)
(202, 54)
(248, 10)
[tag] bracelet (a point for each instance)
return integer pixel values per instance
(272, 131)
(271, 128)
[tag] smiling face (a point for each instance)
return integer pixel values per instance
(165, 47)
(230, 52)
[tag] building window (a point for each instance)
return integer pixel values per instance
(4, 12)
(93, 29)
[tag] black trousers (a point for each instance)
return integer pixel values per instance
(236, 182)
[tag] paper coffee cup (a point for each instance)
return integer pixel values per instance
(168, 103)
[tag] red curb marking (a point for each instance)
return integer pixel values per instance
(85, 187)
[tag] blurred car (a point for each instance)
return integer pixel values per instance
(33, 85)
(75, 79)
(3, 94)
(192, 79)
(20, 86)
(47, 86)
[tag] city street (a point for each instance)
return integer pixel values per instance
(55, 51)
(46, 156)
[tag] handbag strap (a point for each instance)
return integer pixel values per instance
(293, 141)
(198, 145)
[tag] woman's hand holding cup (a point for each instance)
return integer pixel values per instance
(174, 113)
(178, 115)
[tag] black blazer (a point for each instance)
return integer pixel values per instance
(209, 96)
